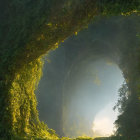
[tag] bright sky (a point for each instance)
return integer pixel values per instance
(91, 96)
(103, 122)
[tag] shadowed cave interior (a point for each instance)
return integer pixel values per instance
(30, 29)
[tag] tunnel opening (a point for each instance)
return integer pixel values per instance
(35, 29)
(103, 42)
(71, 76)
(81, 96)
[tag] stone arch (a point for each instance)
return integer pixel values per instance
(26, 28)
(87, 46)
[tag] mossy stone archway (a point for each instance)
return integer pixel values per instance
(107, 37)
(28, 30)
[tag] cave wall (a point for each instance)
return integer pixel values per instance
(28, 29)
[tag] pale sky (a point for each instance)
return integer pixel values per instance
(93, 92)
(103, 121)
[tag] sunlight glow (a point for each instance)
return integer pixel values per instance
(102, 127)
(103, 123)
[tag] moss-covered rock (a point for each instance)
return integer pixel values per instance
(28, 30)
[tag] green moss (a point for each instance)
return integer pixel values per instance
(22, 103)
(29, 29)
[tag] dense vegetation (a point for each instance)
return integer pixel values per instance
(128, 122)
(28, 30)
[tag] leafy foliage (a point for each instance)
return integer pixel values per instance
(123, 98)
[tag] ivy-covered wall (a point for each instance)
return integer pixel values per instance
(28, 30)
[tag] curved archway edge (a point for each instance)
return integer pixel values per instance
(28, 31)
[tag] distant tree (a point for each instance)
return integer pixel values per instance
(123, 98)
(128, 122)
